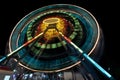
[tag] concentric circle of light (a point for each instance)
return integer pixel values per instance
(50, 53)
(65, 23)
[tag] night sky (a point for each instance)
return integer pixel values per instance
(106, 14)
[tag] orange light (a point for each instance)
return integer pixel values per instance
(50, 24)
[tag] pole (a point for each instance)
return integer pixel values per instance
(21, 47)
(90, 60)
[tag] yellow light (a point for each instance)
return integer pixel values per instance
(50, 24)
(51, 21)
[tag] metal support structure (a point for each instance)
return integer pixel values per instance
(90, 60)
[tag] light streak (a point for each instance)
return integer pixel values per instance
(90, 60)
(21, 47)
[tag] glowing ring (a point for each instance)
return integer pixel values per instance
(77, 30)
(17, 38)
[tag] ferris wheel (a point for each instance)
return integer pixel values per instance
(55, 40)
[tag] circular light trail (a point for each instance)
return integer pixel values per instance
(50, 53)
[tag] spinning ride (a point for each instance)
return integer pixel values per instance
(50, 52)
(52, 38)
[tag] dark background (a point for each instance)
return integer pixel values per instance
(106, 14)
